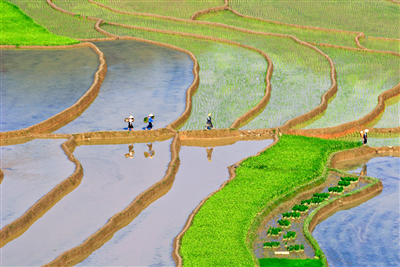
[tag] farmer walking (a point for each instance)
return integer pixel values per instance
(209, 124)
(150, 120)
(130, 121)
(364, 136)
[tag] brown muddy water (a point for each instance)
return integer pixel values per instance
(112, 180)
(37, 84)
(141, 79)
(147, 240)
(366, 235)
(296, 224)
(30, 170)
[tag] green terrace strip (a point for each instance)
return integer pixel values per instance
(231, 78)
(19, 29)
(381, 44)
(362, 77)
(308, 35)
(343, 15)
(275, 262)
(218, 235)
(57, 22)
(301, 75)
(175, 8)
(379, 142)
(391, 116)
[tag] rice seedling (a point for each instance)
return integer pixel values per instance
(344, 15)
(174, 8)
(362, 77)
(218, 234)
(300, 208)
(57, 22)
(294, 215)
(19, 29)
(349, 179)
(391, 116)
(335, 189)
(271, 244)
(383, 45)
(381, 142)
(308, 35)
(296, 247)
(274, 231)
(321, 195)
(344, 183)
(290, 235)
(284, 223)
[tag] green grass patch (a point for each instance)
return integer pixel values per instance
(390, 117)
(331, 14)
(218, 234)
(19, 29)
(274, 262)
(56, 21)
(383, 45)
(362, 77)
(317, 36)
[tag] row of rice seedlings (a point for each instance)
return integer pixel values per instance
(343, 15)
(231, 78)
(57, 22)
(382, 142)
(218, 233)
(19, 29)
(383, 45)
(174, 8)
(362, 77)
(308, 35)
(390, 117)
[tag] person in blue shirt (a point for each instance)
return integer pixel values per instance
(209, 124)
(150, 120)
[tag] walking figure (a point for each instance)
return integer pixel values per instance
(364, 136)
(150, 120)
(130, 121)
(209, 124)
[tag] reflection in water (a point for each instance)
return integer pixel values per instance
(109, 185)
(147, 240)
(131, 152)
(366, 235)
(151, 152)
(209, 151)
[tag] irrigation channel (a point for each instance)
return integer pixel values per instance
(112, 179)
(141, 79)
(47, 82)
(368, 233)
(30, 170)
(147, 240)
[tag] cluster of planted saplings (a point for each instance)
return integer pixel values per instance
(295, 247)
(291, 235)
(284, 223)
(317, 198)
(344, 182)
(272, 244)
(293, 215)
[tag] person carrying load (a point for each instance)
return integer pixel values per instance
(209, 124)
(150, 120)
(130, 121)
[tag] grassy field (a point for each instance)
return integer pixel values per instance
(362, 77)
(174, 8)
(274, 262)
(57, 22)
(317, 36)
(377, 18)
(217, 236)
(227, 75)
(19, 29)
(383, 45)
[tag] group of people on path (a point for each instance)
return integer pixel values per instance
(149, 119)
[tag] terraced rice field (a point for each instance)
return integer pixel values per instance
(97, 194)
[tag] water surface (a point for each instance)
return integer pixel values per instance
(147, 240)
(38, 84)
(141, 79)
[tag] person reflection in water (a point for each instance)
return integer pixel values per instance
(130, 153)
(151, 152)
(209, 152)
(364, 170)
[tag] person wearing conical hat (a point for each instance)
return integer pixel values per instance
(209, 124)
(150, 121)
(365, 137)
(130, 123)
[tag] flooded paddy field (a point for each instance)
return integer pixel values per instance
(141, 79)
(368, 234)
(37, 84)
(113, 177)
(147, 240)
(30, 170)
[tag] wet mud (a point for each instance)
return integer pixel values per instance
(30, 170)
(141, 79)
(113, 177)
(147, 241)
(37, 84)
(366, 235)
